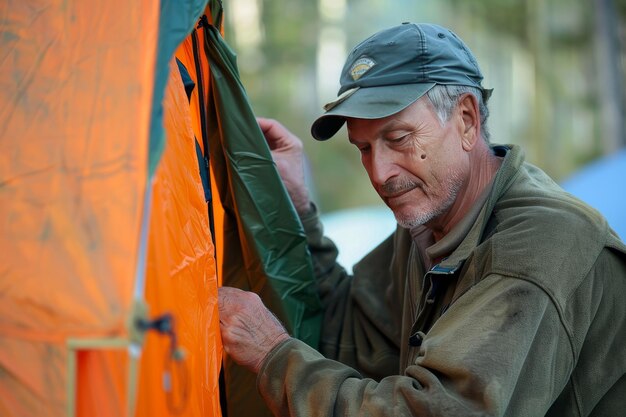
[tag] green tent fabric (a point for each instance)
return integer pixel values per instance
(273, 242)
(260, 219)
(181, 16)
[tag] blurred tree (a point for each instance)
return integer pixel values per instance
(610, 73)
(589, 35)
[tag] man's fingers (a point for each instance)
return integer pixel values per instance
(276, 135)
(227, 297)
(222, 297)
(249, 330)
(268, 127)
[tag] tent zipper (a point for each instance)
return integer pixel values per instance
(203, 23)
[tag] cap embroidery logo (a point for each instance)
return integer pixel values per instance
(360, 67)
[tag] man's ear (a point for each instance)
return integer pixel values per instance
(470, 118)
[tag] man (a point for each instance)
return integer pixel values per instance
(498, 294)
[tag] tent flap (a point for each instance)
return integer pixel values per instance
(273, 244)
(263, 243)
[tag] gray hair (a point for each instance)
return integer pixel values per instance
(444, 99)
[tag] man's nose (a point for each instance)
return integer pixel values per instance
(382, 165)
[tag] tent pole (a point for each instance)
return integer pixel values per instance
(71, 382)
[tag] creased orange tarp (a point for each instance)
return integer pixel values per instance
(186, 55)
(181, 277)
(76, 89)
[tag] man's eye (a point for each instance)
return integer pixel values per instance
(398, 138)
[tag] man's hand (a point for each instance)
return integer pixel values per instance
(287, 152)
(249, 330)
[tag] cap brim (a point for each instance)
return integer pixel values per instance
(368, 103)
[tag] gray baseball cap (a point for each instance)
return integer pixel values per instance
(392, 69)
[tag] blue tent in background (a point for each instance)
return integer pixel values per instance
(602, 184)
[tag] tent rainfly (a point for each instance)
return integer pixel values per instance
(134, 181)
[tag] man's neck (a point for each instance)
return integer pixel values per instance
(483, 167)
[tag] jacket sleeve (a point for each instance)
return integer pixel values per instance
(360, 328)
(499, 350)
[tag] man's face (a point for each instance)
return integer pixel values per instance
(416, 165)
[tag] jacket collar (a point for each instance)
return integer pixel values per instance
(508, 171)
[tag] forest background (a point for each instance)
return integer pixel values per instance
(557, 68)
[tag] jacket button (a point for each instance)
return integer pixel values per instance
(416, 339)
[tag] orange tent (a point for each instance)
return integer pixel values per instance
(114, 225)
(100, 231)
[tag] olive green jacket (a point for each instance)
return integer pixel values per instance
(526, 317)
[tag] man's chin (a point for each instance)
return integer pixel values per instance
(411, 220)
(407, 222)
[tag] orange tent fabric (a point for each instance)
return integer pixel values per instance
(76, 97)
(185, 53)
(181, 277)
(75, 101)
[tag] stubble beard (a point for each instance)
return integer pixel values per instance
(433, 210)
